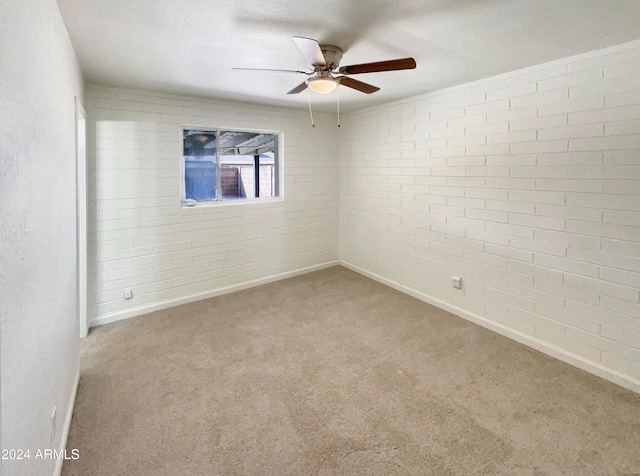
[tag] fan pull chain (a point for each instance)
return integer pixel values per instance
(313, 124)
(338, 103)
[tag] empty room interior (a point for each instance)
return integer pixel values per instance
(347, 237)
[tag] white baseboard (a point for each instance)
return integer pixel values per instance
(156, 306)
(67, 424)
(559, 353)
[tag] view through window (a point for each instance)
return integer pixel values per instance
(229, 165)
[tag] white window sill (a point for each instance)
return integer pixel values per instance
(230, 202)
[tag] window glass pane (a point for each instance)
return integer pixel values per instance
(200, 165)
(247, 165)
(200, 180)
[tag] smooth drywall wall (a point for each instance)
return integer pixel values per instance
(38, 321)
(143, 239)
(526, 185)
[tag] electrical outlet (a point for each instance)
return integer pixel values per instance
(54, 424)
(456, 282)
(128, 294)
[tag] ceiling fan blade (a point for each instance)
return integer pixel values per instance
(391, 65)
(276, 70)
(359, 85)
(311, 50)
(299, 88)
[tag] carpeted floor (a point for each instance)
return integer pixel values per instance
(332, 373)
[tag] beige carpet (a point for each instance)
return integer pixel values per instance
(332, 373)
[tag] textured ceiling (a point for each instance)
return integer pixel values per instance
(190, 46)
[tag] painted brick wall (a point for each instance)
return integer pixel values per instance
(142, 239)
(528, 186)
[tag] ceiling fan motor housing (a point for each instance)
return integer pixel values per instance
(332, 55)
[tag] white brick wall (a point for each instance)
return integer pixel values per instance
(528, 186)
(142, 239)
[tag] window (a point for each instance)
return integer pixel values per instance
(221, 165)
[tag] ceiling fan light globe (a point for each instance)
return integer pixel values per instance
(322, 85)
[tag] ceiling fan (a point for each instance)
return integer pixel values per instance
(326, 74)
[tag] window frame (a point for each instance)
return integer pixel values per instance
(218, 200)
